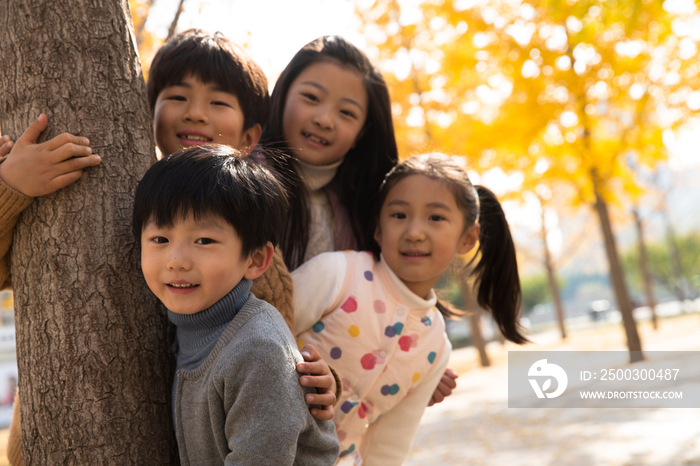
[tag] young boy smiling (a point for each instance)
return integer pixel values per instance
(207, 220)
(204, 89)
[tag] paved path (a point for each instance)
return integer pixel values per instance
(475, 426)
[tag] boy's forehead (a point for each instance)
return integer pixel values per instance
(207, 220)
(191, 81)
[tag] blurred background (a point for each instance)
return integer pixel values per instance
(583, 117)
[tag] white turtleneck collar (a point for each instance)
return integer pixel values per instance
(316, 177)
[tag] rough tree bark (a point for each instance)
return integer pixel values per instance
(92, 344)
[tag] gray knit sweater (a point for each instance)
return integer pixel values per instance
(237, 398)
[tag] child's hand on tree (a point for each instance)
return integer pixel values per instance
(317, 374)
(448, 382)
(6, 143)
(39, 169)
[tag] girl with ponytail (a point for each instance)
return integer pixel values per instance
(375, 317)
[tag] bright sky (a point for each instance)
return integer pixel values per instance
(273, 30)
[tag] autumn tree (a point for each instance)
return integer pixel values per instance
(558, 91)
(92, 344)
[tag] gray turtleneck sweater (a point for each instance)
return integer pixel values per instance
(236, 395)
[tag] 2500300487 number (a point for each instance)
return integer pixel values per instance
(639, 374)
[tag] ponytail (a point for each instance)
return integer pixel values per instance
(496, 273)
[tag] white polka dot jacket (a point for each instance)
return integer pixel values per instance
(388, 345)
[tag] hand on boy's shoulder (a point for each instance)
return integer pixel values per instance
(39, 169)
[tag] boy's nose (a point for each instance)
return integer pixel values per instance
(195, 113)
(179, 261)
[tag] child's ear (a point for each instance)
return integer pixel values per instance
(378, 236)
(250, 139)
(258, 261)
(469, 239)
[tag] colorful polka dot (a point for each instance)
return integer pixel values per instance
(347, 406)
(336, 353)
(354, 331)
(416, 377)
(341, 434)
(379, 307)
(300, 343)
(361, 411)
(369, 276)
(432, 356)
(405, 343)
(350, 305)
(348, 451)
(426, 321)
(392, 330)
(318, 326)
(368, 361)
(389, 389)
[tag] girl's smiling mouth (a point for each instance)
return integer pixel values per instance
(315, 139)
(414, 254)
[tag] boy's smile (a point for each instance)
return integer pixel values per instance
(192, 264)
(192, 113)
(420, 231)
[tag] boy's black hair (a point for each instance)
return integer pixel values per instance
(212, 59)
(213, 180)
(359, 176)
(495, 265)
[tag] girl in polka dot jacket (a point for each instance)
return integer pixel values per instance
(375, 316)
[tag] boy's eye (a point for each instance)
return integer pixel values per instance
(204, 241)
(177, 97)
(219, 102)
(436, 218)
(399, 215)
(160, 240)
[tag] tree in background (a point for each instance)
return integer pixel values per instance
(93, 345)
(661, 264)
(557, 91)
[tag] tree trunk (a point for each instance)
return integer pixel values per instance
(644, 267)
(474, 320)
(552, 280)
(173, 25)
(93, 346)
(634, 343)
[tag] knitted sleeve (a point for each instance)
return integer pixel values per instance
(14, 441)
(276, 287)
(12, 203)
